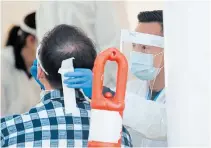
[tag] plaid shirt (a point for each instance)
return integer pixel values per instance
(46, 125)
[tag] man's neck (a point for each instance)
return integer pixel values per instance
(48, 87)
(159, 83)
(46, 84)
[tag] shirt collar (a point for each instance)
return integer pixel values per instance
(58, 94)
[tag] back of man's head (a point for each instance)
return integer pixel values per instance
(61, 43)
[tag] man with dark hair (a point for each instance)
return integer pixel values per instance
(46, 124)
(147, 64)
(62, 43)
(151, 22)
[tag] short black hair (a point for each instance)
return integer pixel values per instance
(61, 43)
(151, 16)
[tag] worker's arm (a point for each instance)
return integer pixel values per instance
(144, 116)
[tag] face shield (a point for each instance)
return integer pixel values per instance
(144, 53)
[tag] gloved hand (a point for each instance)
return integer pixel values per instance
(33, 71)
(81, 78)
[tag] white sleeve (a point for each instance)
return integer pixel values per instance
(145, 116)
(111, 17)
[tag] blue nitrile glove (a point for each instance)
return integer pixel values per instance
(81, 78)
(33, 71)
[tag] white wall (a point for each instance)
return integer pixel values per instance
(134, 7)
(188, 72)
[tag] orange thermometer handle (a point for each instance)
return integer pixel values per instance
(107, 102)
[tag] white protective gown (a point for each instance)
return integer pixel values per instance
(18, 92)
(102, 21)
(145, 119)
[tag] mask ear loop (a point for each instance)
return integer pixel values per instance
(151, 86)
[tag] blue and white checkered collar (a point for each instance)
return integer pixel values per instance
(58, 94)
(51, 94)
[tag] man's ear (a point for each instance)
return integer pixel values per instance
(40, 73)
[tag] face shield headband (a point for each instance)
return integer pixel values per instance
(27, 29)
(38, 60)
(141, 38)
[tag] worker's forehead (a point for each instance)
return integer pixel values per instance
(149, 28)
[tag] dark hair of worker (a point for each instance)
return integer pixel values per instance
(17, 39)
(151, 16)
(61, 43)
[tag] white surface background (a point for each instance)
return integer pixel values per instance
(188, 72)
(14, 11)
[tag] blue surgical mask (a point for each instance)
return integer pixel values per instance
(142, 65)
